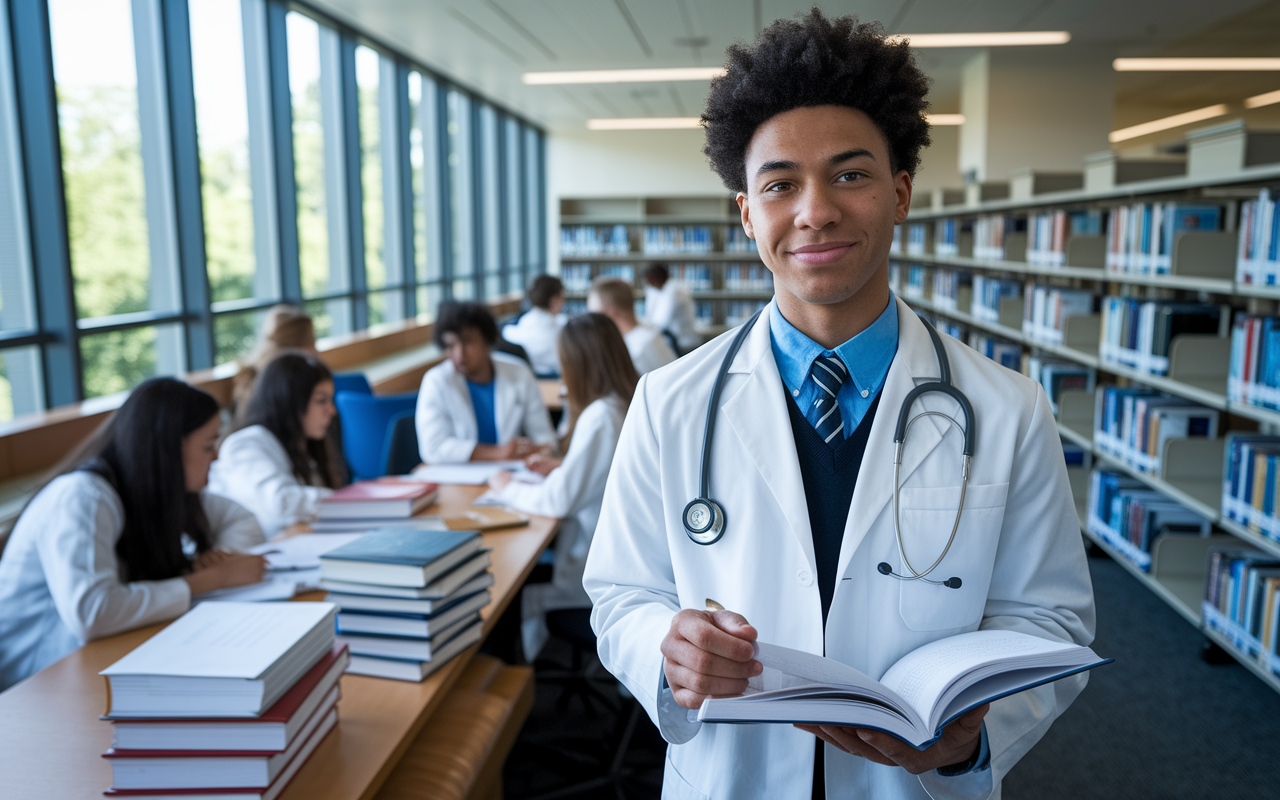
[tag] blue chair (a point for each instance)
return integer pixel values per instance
(351, 382)
(401, 447)
(365, 420)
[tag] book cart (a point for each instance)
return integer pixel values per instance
(946, 241)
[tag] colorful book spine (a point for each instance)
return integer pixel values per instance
(987, 294)
(677, 239)
(1127, 515)
(1242, 602)
(1134, 425)
(1141, 236)
(1046, 309)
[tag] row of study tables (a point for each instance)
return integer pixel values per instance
(52, 740)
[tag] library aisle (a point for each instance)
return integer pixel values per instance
(1158, 723)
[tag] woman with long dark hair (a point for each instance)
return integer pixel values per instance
(123, 535)
(600, 379)
(280, 461)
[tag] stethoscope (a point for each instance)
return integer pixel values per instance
(704, 518)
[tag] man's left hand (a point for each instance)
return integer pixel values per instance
(959, 742)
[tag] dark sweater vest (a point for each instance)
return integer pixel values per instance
(829, 477)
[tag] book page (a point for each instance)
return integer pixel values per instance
(469, 474)
(785, 668)
(921, 676)
(224, 640)
(302, 551)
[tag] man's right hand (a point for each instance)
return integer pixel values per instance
(708, 654)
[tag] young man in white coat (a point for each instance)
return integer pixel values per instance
(817, 127)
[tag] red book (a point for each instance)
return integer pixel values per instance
(271, 733)
(378, 499)
(291, 766)
(214, 769)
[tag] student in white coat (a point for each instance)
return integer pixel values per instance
(123, 536)
(818, 128)
(280, 460)
(538, 328)
(616, 300)
(600, 380)
(668, 306)
(478, 405)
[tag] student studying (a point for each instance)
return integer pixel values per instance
(537, 328)
(280, 460)
(478, 405)
(123, 536)
(647, 345)
(600, 378)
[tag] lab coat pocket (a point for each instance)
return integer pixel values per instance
(675, 787)
(927, 516)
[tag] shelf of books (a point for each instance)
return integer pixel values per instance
(1148, 309)
(699, 239)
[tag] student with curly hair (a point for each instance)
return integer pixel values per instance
(817, 127)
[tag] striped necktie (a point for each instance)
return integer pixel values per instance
(830, 374)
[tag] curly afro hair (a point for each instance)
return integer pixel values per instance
(816, 61)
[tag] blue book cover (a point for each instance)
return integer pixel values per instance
(407, 546)
(1269, 486)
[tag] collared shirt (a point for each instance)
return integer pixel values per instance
(867, 355)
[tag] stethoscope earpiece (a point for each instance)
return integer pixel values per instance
(951, 583)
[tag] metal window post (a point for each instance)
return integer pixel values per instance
(46, 200)
(476, 173)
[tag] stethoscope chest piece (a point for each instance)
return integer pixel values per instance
(704, 521)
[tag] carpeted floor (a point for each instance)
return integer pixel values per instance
(1159, 723)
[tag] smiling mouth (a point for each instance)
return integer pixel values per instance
(820, 254)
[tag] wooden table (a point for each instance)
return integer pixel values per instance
(51, 739)
(551, 389)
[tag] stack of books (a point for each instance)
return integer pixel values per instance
(1258, 261)
(1251, 475)
(1046, 308)
(987, 294)
(229, 701)
(410, 600)
(1127, 515)
(365, 504)
(1242, 602)
(1140, 334)
(1140, 237)
(1134, 425)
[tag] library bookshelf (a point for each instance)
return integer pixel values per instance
(699, 239)
(1224, 167)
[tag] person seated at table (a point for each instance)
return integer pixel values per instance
(600, 379)
(478, 405)
(537, 328)
(284, 327)
(616, 300)
(123, 536)
(279, 461)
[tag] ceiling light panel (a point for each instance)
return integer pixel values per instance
(992, 39)
(945, 119)
(1196, 64)
(642, 124)
(623, 75)
(1259, 100)
(1165, 123)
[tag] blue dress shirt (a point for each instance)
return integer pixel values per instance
(867, 355)
(484, 404)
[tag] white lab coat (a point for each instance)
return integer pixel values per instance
(446, 420)
(254, 470)
(1018, 552)
(60, 582)
(538, 331)
(648, 348)
(671, 308)
(572, 492)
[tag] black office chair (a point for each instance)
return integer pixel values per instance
(401, 446)
(574, 626)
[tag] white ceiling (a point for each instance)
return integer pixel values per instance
(488, 44)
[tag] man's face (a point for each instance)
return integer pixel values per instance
(822, 201)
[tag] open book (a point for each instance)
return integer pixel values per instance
(918, 696)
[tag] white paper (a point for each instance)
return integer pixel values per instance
(432, 522)
(475, 473)
(224, 640)
(302, 551)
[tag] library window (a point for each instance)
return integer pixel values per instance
(236, 279)
(491, 202)
(512, 222)
(368, 89)
(424, 161)
(535, 253)
(461, 196)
